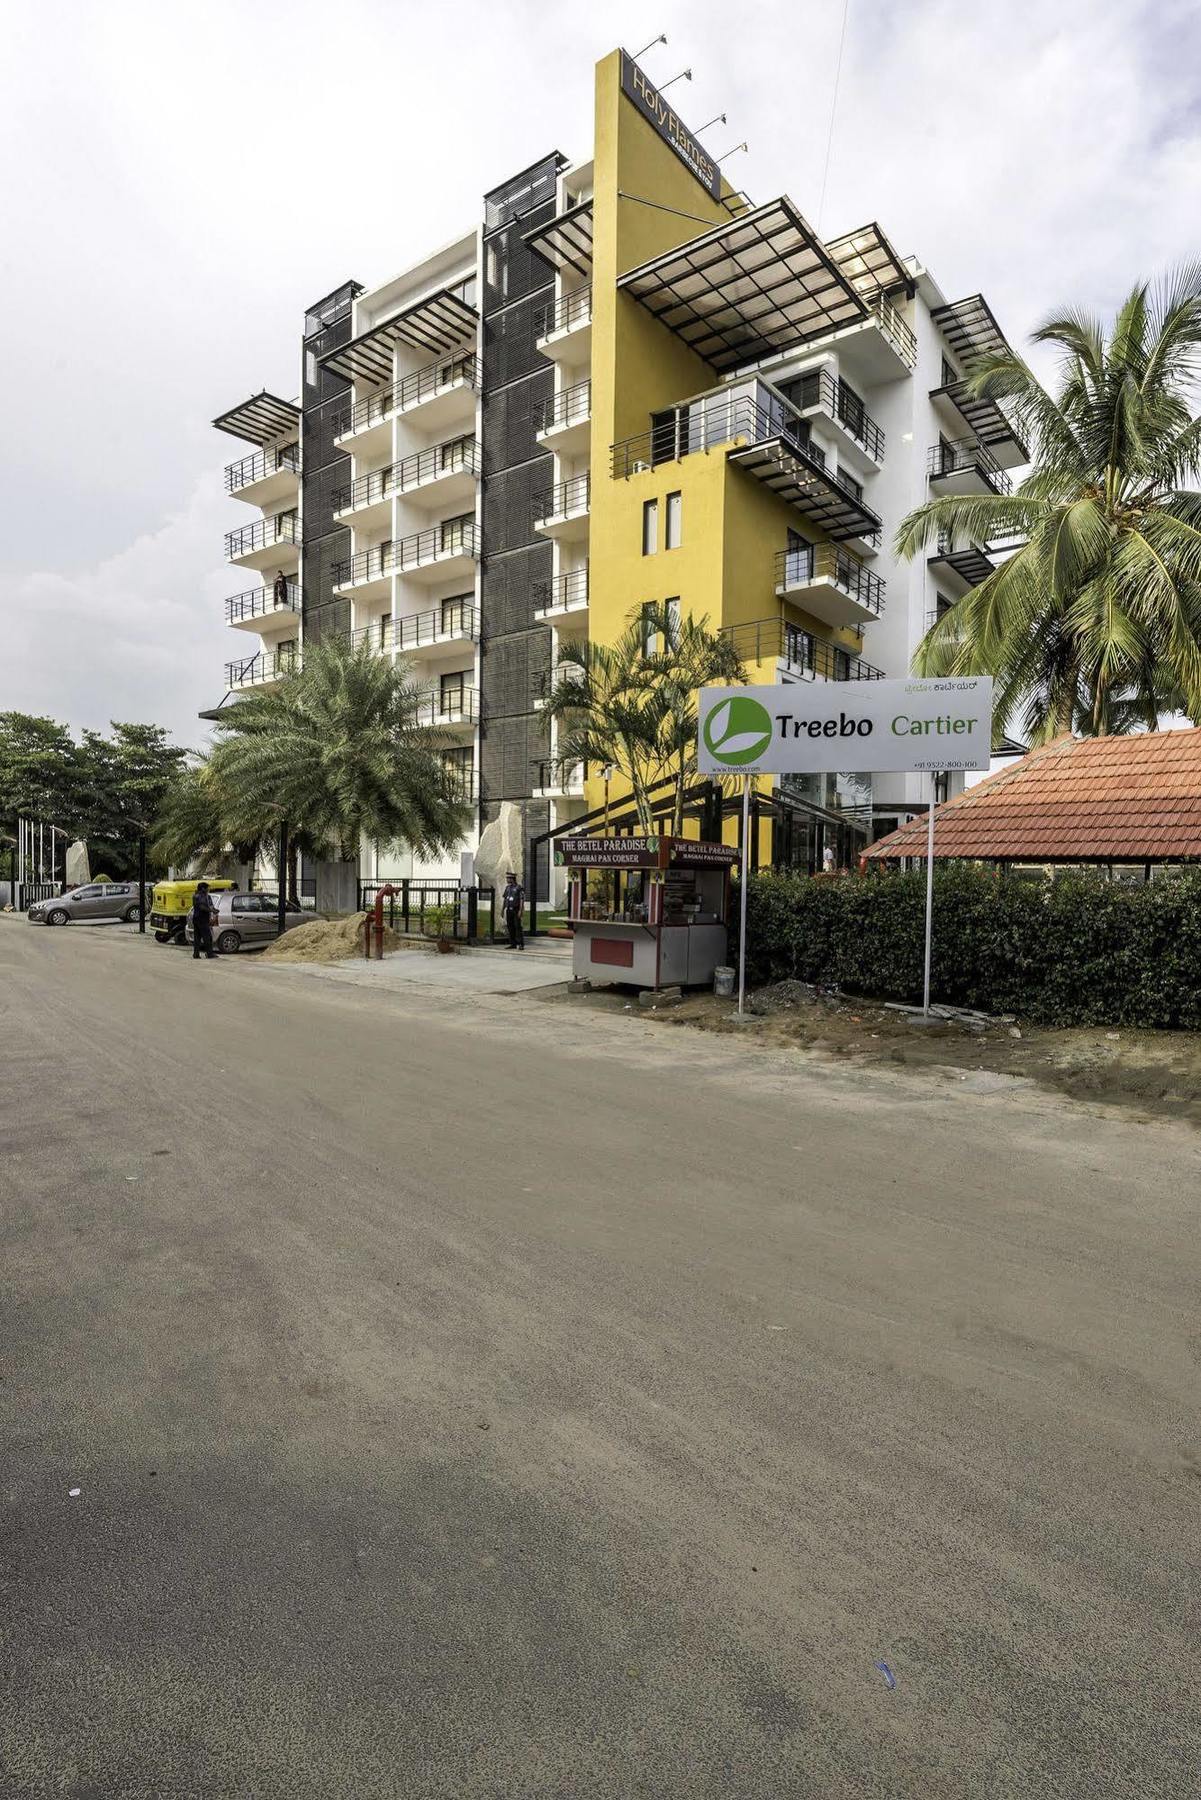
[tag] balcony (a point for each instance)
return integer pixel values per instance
(965, 467)
(985, 418)
(562, 511)
(249, 609)
(562, 675)
(262, 670)
(458, 710)
(558, 600)
(971, 564)
(455, 625)
(269, 543)
(442, 553)
(830, 583)
(819, 393)
(797, 653)
(550, 780)
(445, 391)
(563, 327)
(444, 473)
(564, 422)
(271, 475)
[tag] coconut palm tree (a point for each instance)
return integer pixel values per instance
(632, 704)
(339, 749)
(1095, 622)
(191, 824)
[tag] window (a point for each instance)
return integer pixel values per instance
(455, 615)
(454, 531)
(451, 693)
(675, 521)
(650, 527)
(650, 637)
(672, 609)
(849, 481)
(949, 377)
(310, 368)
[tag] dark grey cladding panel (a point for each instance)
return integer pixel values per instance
(319, 491)
(508, 505)
(508, 590)
(509, 351)
(319, 559)
(516, 667)
(511, 268)
(509, 423)
(329, 620)
(507, 750)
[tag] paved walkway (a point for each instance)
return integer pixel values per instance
(491, 969)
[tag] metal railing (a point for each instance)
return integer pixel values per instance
(562, 675)
(560, 315)
(421, 385)
(265, 665)
(551, 777)
(457, 911)
(451, 538)
(967, 454)
(458, 456)
(568, 496)
(282, 528)
(453, 619)
(257, 602)
(830, 562)
(570, 407)
(265, 462)
(563, 593)
(896, 330)
(818, 388)
(776, 640)
(459, 708)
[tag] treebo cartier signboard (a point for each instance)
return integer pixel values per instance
(805, 728)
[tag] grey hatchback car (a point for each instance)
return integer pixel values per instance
(244, 920)
(95, 900)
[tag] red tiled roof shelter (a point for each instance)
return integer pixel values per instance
(1108, 799)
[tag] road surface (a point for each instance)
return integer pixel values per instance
(470, 1396)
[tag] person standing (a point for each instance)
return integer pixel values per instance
(203, 917)
(280, 588)
(512, 906)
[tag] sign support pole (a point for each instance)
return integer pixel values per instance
(742, 887)
(929, 895)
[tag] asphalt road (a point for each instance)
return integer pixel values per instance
(473, 1397)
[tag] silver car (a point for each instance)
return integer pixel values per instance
(245, 920)
(95, 900)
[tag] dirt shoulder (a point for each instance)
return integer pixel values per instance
(1157, 1073)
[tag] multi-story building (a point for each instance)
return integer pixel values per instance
(627, 385)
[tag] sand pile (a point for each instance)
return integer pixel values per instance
(326, 940)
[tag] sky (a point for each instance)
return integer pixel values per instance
(182, 181)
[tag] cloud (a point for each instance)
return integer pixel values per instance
(139, 636)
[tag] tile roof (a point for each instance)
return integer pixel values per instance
(1075, 799)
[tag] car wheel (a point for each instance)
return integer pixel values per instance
(58, 917)
(130, 915)
(162, 937)
(228, 943)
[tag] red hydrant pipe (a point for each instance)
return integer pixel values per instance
(375, 922)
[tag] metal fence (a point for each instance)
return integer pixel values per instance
(435, 908)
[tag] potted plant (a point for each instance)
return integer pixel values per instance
(440, 924)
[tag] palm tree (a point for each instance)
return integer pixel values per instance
(632, 704)
(1095, 623)
(338, 749)
(191, 824)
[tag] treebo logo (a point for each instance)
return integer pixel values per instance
(738, 731)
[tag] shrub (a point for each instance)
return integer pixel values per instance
(1075, 951)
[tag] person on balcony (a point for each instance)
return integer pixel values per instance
(279, 590)
(512, 906)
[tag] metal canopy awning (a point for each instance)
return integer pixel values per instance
(803, 481)
(984, 417)
(869, 262)
(439, 323)
(261, 420)
(972, 564)
(566, 240)
(749, 289)
(971, 330)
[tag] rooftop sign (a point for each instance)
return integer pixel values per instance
(671, 128)
(804, 728)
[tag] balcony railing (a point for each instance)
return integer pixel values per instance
(896, 330)
(284, 528)
(266, 665)
(454, 619)
(553, 777)
(776, 640)
(819, 389)
(571, 407)
(567, 497)
(561, 315)
(830, 562)
(460, 456)
(265, 462)
(441, 541)
(257, 603)
(422, 384)
(459, 708)
(564, 593)
(969, 456)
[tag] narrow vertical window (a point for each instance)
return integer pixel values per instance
(675, 521)
(671, 610)
(650, 527)
(650, 637)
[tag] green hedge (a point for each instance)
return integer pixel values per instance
(1076, 951)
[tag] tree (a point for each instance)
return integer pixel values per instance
(39, 770)
(189, 825)
(339, 750)
(1095, 622)
(632, 704)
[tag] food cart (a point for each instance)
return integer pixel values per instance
(650, 911)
